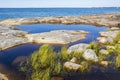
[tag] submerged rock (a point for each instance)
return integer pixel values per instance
(89, 54)
(19, 59)
(72, 66)
(78, 48)
(57, 36)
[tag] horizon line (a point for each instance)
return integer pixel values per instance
(60, 7)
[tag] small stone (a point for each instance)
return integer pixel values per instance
(72, 66)
(104, 63)
(103, 51)
(74, 60)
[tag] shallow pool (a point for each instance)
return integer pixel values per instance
(7, 56)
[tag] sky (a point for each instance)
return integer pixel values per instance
(58, 3)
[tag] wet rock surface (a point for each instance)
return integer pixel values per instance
(110, 19)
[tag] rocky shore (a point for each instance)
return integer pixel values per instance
(109, 20)
(10, 37)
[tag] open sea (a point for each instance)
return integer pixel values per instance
(9, 55)
(8, 13)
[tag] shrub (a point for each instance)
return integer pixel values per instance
(95, 46)
(117, 62)
(43, 64)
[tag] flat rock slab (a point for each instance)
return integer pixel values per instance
(108, 36)
(110, 20)
(10, 38)
(57, 36)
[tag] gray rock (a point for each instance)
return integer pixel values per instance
(10, 37)
(89, 54)
(72, 66)
(78, 48)
(110, 34)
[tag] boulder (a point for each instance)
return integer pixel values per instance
(78, 48)
(103, 51)
(89, 54)
(72, 66)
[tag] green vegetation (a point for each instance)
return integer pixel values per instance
(117, 62)
(43, 64)
(116, 50)
(85, 66)
(94, 46)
